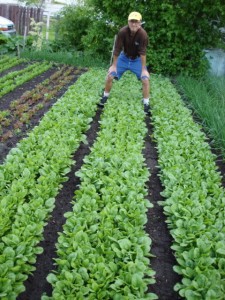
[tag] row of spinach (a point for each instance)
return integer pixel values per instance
(31, 177)
(194, 198)
(116, 261)
(12, 80)
(7, 62)
(104, 251)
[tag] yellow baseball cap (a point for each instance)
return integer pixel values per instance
(135, 16)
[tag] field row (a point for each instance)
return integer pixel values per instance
(7, 62)
(103, 252)
(12, 80)
(194, 198)
(21, 111)
(31, 178)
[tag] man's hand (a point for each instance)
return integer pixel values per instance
(145, 74)
(112, 72)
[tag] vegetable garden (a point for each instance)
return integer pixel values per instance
(104, 203)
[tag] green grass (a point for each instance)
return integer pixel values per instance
(75, 58)
(207, 97)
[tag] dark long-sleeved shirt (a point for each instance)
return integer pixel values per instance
(132, 45)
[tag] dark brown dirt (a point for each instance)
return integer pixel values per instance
(163, 260)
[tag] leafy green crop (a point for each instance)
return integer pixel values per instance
(32, 175)
(13, 79)
(194, 198)
(103, 252)
(9, 62)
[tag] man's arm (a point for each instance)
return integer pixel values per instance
(144, 71)
(113, 67)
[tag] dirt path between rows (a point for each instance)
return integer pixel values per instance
(164, 259)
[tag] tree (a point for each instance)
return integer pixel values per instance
(73, 25)
(178, 30)
(84, 28)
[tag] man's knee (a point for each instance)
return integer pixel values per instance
(109, 78)
(113, 75)
(145, 81)
(145, 78)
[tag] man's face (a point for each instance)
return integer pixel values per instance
(134, 25)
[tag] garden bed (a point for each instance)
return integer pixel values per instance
(163, 259)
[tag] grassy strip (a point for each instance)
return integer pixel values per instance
(194, 199)
(32, 175)
(206, 96)
(75, 58)
(104, 251)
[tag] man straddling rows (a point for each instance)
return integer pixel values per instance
(130, 54)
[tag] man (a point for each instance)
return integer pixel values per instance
(130, 54)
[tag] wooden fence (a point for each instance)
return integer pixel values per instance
(21, 16)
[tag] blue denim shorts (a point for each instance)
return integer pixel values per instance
(125, 63)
